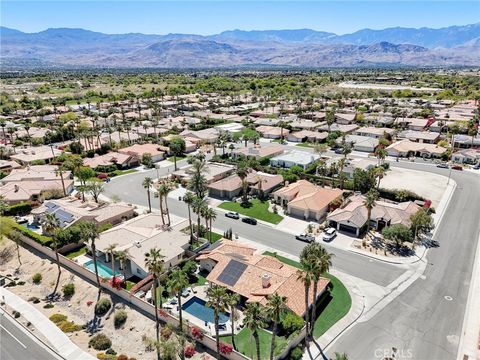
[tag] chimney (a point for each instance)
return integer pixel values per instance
(16, 188)
(265, 281)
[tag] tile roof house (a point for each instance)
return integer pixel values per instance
(213, 172)
(406, 148)
(112, 158)
(254, 277)
(467, 156)
(139, 150)
(360, 143)
(209, 135)
(258, 151)
(272, 132)
(231, 186)
(36, 153)
(294, 157)
(70, 210)
(374, 132)
(306, 200)
(353, 216)
(8, 165)
(419, 136)
(142, 233)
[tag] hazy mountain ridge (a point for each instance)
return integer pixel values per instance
(456, 45)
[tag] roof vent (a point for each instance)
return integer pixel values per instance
(137, 243)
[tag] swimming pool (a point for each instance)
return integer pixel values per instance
(103, 270)
(198, 308)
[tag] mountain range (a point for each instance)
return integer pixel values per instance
(450, 46)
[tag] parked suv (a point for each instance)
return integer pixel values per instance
(329, 234)
(232, 215)
(305, 237)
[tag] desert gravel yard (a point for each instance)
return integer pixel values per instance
(428, 185)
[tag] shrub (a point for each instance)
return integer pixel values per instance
(100, 342)
(34, 299)
(291, 322)
(166, 332)
(69, 326)
(120, 318)
(37, 278)
(48, 306)
(68, 290)
(296, 353)
(19, 209)
(189, 351)
(102, 306)
(122, 357)
(111, 352)
(103, 356)
(16, 314)
(226, 348)
(58, 318)
(21, 283)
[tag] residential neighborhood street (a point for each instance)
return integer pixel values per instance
(418, 316)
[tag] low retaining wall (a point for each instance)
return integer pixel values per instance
(136, 302)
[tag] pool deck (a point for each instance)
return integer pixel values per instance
(83, 259)
(201, 292)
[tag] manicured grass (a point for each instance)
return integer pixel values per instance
(179, 158)
(124, 172)
(201, 280)
(306, 144)
(246, 343)
(215, 237)
(75, 253)
(331, 312)
(130, 284)
(257, 210)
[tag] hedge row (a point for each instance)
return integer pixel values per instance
(10, 223)
(19, 209)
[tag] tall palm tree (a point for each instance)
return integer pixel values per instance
(381, 154)
(189, 198)
(254, 320)
(178, 281)
(89, 232)
(50, 226)
(210, 215)
(369, 203)
(198, 182)
(154, 264)
(231, 301)
(111, 250)
(321, 261)
(379, 173)
(305, 275)
(275, 307)
(216, 296)
(163, 190)
(122, 257)
(198, 205)
(147, 183)
(160, 199)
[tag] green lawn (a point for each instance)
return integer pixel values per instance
(335, 309)
(77, 252)
(215, 237)
(179, 158)
(246, 344)
(123, 172)
(305, 144)
(201, 280)
(258, 210)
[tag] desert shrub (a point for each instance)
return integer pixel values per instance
(37, 278)
(21, 283)
(68, 290)
(166, 332)
(103, 356)
(102, 307)
(58, 318)
(16, 314)
(48, 306)
(11, 284)
(122, 357)
(120, 318)
(69, 326)
(296, 353)
(111, 352)
(100, 342)
(34, 299)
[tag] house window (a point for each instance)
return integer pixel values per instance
(138, 271)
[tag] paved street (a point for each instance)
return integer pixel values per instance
(15, 340)
(421, 322)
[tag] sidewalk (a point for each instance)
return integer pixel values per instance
(60, 342)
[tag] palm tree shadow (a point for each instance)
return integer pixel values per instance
(322, 354)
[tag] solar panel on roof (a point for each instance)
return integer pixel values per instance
(51, 207)
(64, 216)
(232, 272)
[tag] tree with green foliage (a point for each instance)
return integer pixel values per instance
(276, 306)
(84, 173)
(254, 321)
(90, 234)
(369, 202)
(399, 233)
(177, 148)
(189, 198)
(147, 160)
(177, 282)
(421, 223)
(147, 183)
(216, 296)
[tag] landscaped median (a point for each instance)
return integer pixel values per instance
(257, 209)
(333, 307)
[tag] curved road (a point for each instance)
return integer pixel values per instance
(422, 322)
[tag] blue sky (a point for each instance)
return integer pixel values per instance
(210, 17)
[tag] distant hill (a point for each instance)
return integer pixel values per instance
(455, 45)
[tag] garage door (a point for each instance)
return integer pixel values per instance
(348, 228)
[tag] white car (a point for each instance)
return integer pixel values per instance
(329, 234)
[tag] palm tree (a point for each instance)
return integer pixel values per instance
(122, 257)
(210, 215)
(198, 182)
(147, 183)
(189, 198)
(177, 282)
(305, 275)
(369, 203)
(50, 225)
(254, 320)
(89, 232)
(340, 356)
(242, 173)
(321, 260)
(216, 296)
(275, 307)
(379, 172)
(231, 301)
(163, 191)
(112, 253)
(381, 154)
(154, 264)
(198, 205)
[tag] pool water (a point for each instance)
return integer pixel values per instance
(103, 270)
(198, 308)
